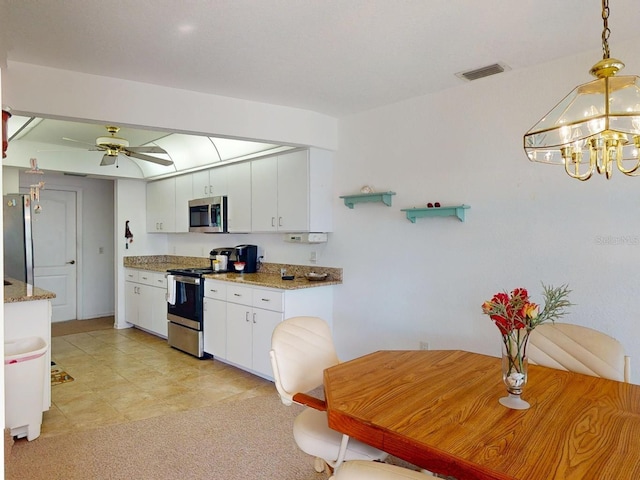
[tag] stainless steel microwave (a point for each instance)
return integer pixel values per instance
(208, 215)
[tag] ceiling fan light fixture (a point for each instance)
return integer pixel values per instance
(116, 142)
(596, 126)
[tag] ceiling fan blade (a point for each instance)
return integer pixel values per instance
(148, 158)
(148, 149)
(78, 141)
(108, 160)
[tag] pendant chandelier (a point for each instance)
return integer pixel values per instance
(594, 127)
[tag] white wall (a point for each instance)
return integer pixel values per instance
(528, 223)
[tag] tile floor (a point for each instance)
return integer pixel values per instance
(125, 375)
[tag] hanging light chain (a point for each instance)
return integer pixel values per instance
(605, 31)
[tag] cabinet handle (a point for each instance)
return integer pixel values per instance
(246, 316)
(237, 295)
(265, 299)
(254, 318)
(211, 189)
(213, 291)
(279, 221)
(273, 221)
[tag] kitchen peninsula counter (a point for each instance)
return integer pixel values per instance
(19, 291)
(268, 276)
(27, 313)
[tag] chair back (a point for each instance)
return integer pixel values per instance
(578, 349)
(301, 349)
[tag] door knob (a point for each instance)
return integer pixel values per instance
(72, 262)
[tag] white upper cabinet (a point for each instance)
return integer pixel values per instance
(201, 187)
(161, 206)
(292, 192)
(239, 198)
(184, 193)
(210, 183)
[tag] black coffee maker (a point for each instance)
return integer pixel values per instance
(247, 254)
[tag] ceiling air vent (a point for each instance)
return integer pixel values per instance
(482, 72)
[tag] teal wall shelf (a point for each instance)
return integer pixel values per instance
(455, 211)
(384, 197)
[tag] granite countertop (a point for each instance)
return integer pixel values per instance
(21, 292)
(268, 276)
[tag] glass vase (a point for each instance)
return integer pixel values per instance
(514, 369)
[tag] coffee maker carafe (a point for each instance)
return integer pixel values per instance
(247, 254)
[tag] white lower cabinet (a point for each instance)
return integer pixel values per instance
(145, 300)
(215, 318)
(247, 316)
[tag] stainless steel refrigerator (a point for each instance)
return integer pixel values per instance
(18, 242)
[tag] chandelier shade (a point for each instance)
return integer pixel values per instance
(593, 128)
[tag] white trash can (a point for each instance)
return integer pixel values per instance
(24, 371)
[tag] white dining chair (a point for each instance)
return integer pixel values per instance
(301, 349)
(359, 470)
(578, 349)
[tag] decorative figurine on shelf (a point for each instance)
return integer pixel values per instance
(366, 189)
(127, 234)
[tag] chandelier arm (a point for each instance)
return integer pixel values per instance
(628, 171)
(582, 177)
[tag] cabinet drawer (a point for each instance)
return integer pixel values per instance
(146, 277)
(241, 295)
(216, 290)
(160, 280)
(131, 275)
(267, 299)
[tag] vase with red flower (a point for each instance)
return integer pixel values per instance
(516, 316)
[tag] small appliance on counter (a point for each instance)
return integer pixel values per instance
(219, 258)
(247, 254)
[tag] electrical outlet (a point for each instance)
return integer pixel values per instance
(100, 250)
(424, 345)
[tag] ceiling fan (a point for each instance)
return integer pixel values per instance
(113, 146)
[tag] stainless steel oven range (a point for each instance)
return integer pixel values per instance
(185, 292)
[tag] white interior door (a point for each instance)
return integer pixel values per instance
(54, 251)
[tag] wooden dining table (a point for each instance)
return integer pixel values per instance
(439, 410)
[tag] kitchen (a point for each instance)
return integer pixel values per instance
(403, 283)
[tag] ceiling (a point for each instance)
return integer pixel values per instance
(336, 57)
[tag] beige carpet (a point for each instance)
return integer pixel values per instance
(69, 327)
(245, 440)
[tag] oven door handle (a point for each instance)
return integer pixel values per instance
(191, 280)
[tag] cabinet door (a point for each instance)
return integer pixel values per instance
(131, 302)
(264, 195)
(215, 327)
(159, 311)
(200, 187)
(161, 207)
(239, 350)
(218, 181)
(293, 192)
(145, 306)
(263, 322)
(184, 193)
(239, 197)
